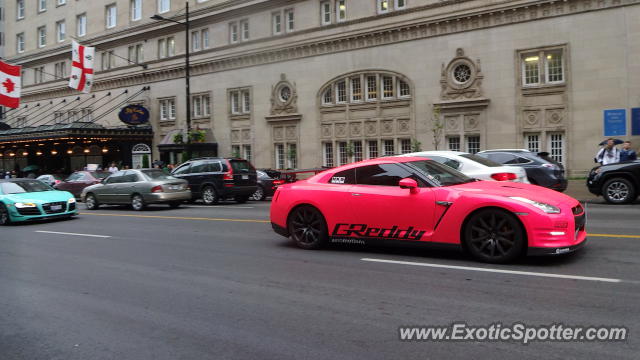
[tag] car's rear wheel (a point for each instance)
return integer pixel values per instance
(308, 227)
(210, 196)
(91, 202)
(137, 202)
(618, 191)
(5, 218)
(259, 195)
(494, 236)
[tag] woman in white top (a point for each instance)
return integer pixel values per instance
(113, 168)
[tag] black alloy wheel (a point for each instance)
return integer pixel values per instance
(618, 191)
(210, 196)
(91, 202)
(494, 236)
(308, 227)
(5, 219)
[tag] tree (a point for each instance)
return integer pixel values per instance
(416, 145)
(145, 161)
(437, 126)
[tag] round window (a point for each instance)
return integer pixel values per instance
(461, 73)
(285, 94)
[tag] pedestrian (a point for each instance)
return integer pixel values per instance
(609, 154)
(113, 168)
(627, 153)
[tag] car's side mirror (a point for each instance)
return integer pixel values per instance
(408, 183)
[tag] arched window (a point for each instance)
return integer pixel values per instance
(141, 149)
(365, 86)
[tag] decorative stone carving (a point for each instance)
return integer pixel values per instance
(291, 132)
(531, 118)
(387, 127)
(246, 134)
(284, 97)
(355, 129)
(341, 130)
(461, 78)
(403, 126)
(471, 122)
(326, 131)
(235, 136)
(371, 128)
(554, 116)
(451, 122)
(278, 133)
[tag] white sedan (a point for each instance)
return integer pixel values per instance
(475, 166)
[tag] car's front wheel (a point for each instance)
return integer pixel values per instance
(5, 218)
(91, 202)
(618, 191)
(308, 227)
(494, 236)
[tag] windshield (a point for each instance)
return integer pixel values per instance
(157, 175)
(100, 174)
(26, 186)
(481, 160)
(438, 174)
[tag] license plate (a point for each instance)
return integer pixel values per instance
(245, 177)
(174, 187)
(56, 207)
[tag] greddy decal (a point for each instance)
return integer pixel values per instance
(362, 230)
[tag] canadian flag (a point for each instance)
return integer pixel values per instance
(82, 67)
(10, 85)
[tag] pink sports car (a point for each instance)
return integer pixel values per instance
(417, 200)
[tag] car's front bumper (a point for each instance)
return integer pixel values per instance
(163, 197)
(17, 217)
(542, 251)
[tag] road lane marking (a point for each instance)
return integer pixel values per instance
(500, 271)
(72, 234)
(179, 217)
(218, 206)
(614, 236)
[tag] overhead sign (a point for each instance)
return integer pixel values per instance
(635, 121)
(615, 122)
(134, 115)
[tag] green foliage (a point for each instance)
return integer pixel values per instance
(185, 156)
(416, 145)
(197, 135)
(178, 139)
(437, 126)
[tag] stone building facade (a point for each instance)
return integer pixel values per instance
(304, 83)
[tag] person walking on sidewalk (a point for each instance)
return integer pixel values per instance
(609, 154)
(627, 153)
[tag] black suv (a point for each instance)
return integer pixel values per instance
(215, 179)
(618, 183)
(541, 169)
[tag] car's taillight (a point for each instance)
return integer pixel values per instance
(504, 176)
(550, 166)
(156, 189)
(278, 182)
(57, 182)
(227, 176)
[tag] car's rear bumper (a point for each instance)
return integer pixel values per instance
(167, 197)
(280, 229)
(561, 185)
(542, 251)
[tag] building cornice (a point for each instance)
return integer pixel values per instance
(510, 12)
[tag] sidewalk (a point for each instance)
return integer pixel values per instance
(578, 189)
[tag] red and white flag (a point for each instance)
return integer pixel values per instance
(82, 67)
(10, 85)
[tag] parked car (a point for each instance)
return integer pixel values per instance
(475, 166)
(266, 186)
(31, 199)
(79, 180)
(413, 200)
(617, 183)
(214, 179)
(540, 170)
(50, 179)
(139, 188)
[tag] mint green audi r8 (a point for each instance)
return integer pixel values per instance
(30, 199)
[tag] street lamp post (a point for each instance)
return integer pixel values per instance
(187, 72)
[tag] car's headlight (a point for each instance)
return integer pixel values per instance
(71, 201)
(549, 209)
(20, 205)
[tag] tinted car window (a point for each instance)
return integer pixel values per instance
(130, 176)
(213, 166)
(184, 169)
(381, 174)
(100, 174)
(20, 187)
(501, 158)
(157, 175)
(240, 166)
(82, 177)
(344, 177)
(439, 174)
(198, 167)
(449, 162)
(481, 160)
(117, 177)
(522, 160)
(73, 177)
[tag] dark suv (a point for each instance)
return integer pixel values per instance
(215, 179)
(541, 170)
(618, 183)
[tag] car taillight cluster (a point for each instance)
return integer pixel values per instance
(228, 176)
(504, 176)
(157, 189)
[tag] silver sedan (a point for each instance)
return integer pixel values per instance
(137, 188)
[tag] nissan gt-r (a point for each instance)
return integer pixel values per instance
(418, 200)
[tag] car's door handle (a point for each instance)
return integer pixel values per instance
(356, 194)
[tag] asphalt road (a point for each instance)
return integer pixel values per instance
(216, 283)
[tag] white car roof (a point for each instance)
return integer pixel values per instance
(512, 150)
(435, 153)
